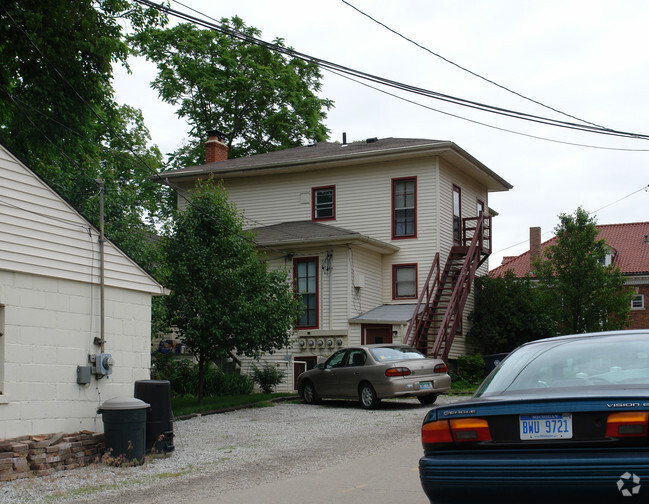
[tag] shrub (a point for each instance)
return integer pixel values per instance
(182, 374)
(268, 377)
(470, 372)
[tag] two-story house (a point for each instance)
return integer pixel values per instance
(628, 245)
(358, 225)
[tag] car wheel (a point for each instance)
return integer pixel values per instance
(367, 396)
(309, 394)
(427, 399)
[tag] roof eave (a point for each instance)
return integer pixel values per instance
(355, 239)
(454, 154)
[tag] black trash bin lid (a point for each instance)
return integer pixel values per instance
(123, 403)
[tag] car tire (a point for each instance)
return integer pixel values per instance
(427, 399)
(309, 394)
(367, 396)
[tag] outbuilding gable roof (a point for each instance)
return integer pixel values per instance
(630, 244)
(43, 234)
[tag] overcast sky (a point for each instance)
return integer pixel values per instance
(585, 58)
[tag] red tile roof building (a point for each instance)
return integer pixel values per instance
(629, 244)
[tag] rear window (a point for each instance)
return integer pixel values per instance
(386, 354)
(595, 362)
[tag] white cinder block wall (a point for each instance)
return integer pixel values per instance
(48, 329)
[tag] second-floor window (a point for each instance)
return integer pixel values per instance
(457, 215)
(305, 276)
(404, 281)
(404, 208)
(323, 203)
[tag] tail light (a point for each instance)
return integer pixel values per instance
(440, 368)
(436, 433)
(627, 424)
(397, 371)
(458, 430)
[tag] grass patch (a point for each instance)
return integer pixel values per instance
(189, 405)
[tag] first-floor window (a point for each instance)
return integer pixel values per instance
(404, 277)
(637, 303)
(305, 275)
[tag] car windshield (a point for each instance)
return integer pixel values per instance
(385, 354)
(589, 362)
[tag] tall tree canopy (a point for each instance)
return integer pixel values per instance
(590, 296)
(57, 111)
(223, 297)
(261, 99)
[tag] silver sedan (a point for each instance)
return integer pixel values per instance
(370, 373)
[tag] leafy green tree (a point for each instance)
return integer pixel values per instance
(509, 311)
(589, 296)
(57, 111)
(261, 99)
(223, 297)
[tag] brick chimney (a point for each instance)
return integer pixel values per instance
(215, 148)
(535, 244)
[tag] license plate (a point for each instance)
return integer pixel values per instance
(552, 426)
(425, 385)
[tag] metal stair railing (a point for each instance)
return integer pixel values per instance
(477, 252)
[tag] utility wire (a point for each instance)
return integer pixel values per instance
(467, 70)
(643, 188)
(387, 82)
(506, 130)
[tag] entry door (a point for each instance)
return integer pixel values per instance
(302, 364)
(372, 334)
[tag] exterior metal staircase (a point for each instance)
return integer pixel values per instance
(439, 309)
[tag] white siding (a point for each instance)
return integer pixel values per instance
(41, 234)
(363, 194)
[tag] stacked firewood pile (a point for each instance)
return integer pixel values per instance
(42, 455)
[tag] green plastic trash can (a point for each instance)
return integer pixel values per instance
(125, 427)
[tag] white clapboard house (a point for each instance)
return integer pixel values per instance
(372, 232)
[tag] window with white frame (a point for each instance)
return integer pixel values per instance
(637, 303)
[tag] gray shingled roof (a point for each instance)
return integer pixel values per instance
(333, 152)
(302, 233)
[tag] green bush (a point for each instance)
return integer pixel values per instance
(470, 372)
(267, 377)
(182, 374)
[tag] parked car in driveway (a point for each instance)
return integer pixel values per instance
(561, 419)
(370, 373)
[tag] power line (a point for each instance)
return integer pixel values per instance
(467, 70)
(480, 123)
(391, 83)
(643, 188)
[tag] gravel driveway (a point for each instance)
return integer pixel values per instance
(239, 449)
